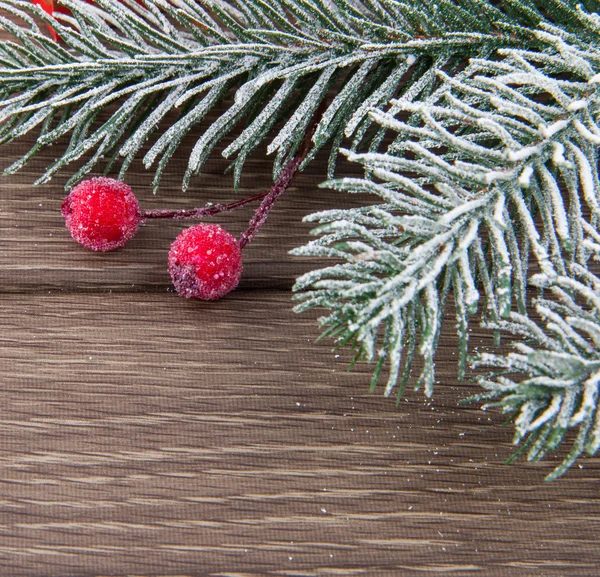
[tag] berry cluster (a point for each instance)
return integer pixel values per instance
(205, 261)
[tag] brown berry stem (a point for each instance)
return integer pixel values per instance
(200, 212)
(282, 183)
(262, 212)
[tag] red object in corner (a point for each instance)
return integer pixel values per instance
(50, 7)
(47, 5)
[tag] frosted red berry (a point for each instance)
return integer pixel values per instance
(205, 262)
(101, 213)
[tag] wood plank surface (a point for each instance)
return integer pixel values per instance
(146, 435)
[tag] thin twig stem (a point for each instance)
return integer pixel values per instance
(282, 183)
(262, 212)
(200, 212)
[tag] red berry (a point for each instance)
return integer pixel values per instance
(205, 262)
(101, 213)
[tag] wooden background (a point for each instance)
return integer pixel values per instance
(143, 434)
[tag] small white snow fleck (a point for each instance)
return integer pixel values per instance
(577, 105)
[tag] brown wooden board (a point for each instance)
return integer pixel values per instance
(143, 434)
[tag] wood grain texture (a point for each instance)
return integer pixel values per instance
(146, 435)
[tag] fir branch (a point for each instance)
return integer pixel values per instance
(551, 382)
(277, 61)
(461, 187)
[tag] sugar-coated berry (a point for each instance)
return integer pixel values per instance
(205, 262)
(101, 213)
